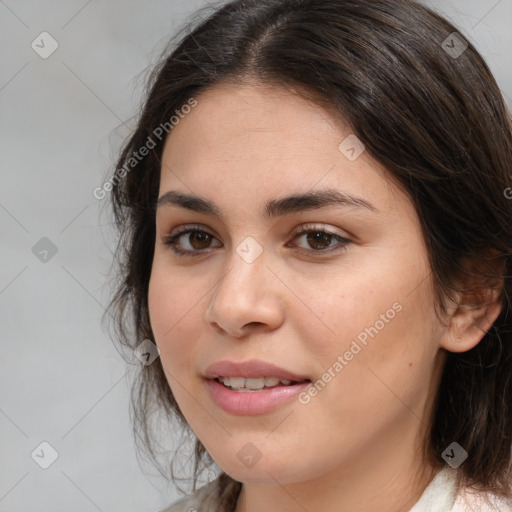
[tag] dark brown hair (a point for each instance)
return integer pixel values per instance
(436, 120)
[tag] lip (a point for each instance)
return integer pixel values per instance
(252, 402)
(250, 369)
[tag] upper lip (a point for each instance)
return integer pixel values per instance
(250, 369)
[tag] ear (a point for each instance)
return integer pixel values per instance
(473, 310)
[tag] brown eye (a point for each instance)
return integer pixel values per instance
(319, 239)
(199, 239)
(190, 241)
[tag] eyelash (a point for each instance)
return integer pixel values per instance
(171, 241)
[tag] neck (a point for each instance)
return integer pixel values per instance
(388, 477)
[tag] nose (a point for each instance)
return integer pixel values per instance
(247, 299)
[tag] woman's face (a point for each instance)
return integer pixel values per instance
(335, 292)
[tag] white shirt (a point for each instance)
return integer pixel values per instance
(441, 495)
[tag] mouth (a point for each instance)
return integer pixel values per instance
(245, 401)
(253, 371)
(256, 384)
(252, 387)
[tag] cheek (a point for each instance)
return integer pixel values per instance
(379, 320)
(355, 306)
(161, 304)
(177, 301)
(390, 362)
(173, 312)
(170, 296)
(173, 318)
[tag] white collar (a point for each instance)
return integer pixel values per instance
(440, 494)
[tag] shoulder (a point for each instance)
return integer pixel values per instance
(193, 502)
(446, 494)
(204, 499)
(469, 500)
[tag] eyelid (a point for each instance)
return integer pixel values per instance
(189, 227)
(312, 226)
(170, 240)
(300, 230)
(342, 241)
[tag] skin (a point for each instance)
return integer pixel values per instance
(357, 445)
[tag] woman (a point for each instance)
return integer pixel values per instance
(315, 234)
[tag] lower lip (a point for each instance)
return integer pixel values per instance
(252, 402)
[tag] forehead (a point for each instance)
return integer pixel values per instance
(231, 117)
(266, 141)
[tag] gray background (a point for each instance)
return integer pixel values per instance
(62, 119)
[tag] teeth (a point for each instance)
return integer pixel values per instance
(235, 382)
(271, 381)
(253, 383)
(257, 383)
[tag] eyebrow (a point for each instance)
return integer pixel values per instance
(274, 207)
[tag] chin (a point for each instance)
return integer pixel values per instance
(267, 470)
